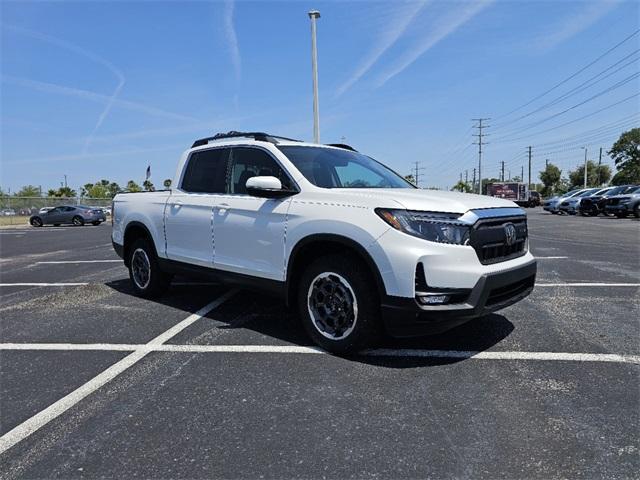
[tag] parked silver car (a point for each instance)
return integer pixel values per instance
(73, 214)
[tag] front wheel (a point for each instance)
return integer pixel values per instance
(147, 278)
(36, 222)
(338, 304)
(78, 221)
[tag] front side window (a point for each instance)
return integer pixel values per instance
(252, 162)
(337, 168)
(206, 171)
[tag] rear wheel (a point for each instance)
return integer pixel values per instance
(36, 222)
(636, 210)
(147, 278)
(338, 304)
(78, 221)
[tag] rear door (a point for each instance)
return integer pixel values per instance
(249, 231)
(189, 209)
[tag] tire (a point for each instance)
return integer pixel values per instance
(636, 210)
(78, 221)
(96, 223)
(147, 279)
(352, 320)
(36, 222)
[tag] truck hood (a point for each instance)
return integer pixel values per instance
(425, 200)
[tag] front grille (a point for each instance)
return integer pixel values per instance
(613, 201)
(503, 294)
(489, 239)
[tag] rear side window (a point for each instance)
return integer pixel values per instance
(253, 162)
(206, 171)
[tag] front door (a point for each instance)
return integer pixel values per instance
(249, 231)
(190, 208)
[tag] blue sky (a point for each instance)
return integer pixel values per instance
(102, 89)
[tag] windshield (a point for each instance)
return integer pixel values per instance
(569, 194)
(633, 189)
(588, 192)
(338, 168)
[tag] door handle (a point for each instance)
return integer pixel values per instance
(177, 204)
(222, 208)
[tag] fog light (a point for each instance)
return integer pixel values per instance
(433, 299)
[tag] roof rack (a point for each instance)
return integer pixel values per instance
(342, 145)
(259, 136)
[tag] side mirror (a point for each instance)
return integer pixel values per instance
(267, 187)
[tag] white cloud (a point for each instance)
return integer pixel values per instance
(231, 37)
(445, 27)
(91, 96)
(87, 54)
(588, 14)
(387, 39)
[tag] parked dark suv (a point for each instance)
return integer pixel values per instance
(624, 204)
(594, 205)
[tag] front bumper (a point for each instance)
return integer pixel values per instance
(551, 207)
(404, 317)
(619, 208)
(568, 208)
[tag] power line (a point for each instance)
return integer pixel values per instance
(599, 94)
(626, 39)
(580, 88)
(480, 143)
(575, 120)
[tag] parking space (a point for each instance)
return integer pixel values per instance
(211, 382)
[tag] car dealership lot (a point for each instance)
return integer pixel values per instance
(209, 381)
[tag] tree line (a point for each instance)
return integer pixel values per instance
(625, 153)
(102, 189)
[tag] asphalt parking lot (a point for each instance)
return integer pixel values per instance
(212, 382)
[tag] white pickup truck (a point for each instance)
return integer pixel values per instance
(348, 242)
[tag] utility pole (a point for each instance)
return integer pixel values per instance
(585, 167)
(466, 176)
(509, 175)
(599, 165)
(460, 177)
(529, 184)
(546, 163)
(522, 173)
(313, 15)
(65, 181)
(473, 182)
(480, 143)
(417, 169)
(502, 172)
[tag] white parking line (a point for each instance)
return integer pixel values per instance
(284, 349)
(78, 261)
(549, 258)
(40, 419)
(78, 284)
(584, 284)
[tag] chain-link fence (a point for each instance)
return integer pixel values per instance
(17, 210)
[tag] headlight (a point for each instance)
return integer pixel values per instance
(432, 226)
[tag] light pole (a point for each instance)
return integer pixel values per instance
(313, 15)
(585, 167)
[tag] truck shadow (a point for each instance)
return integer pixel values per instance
(250, 318)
